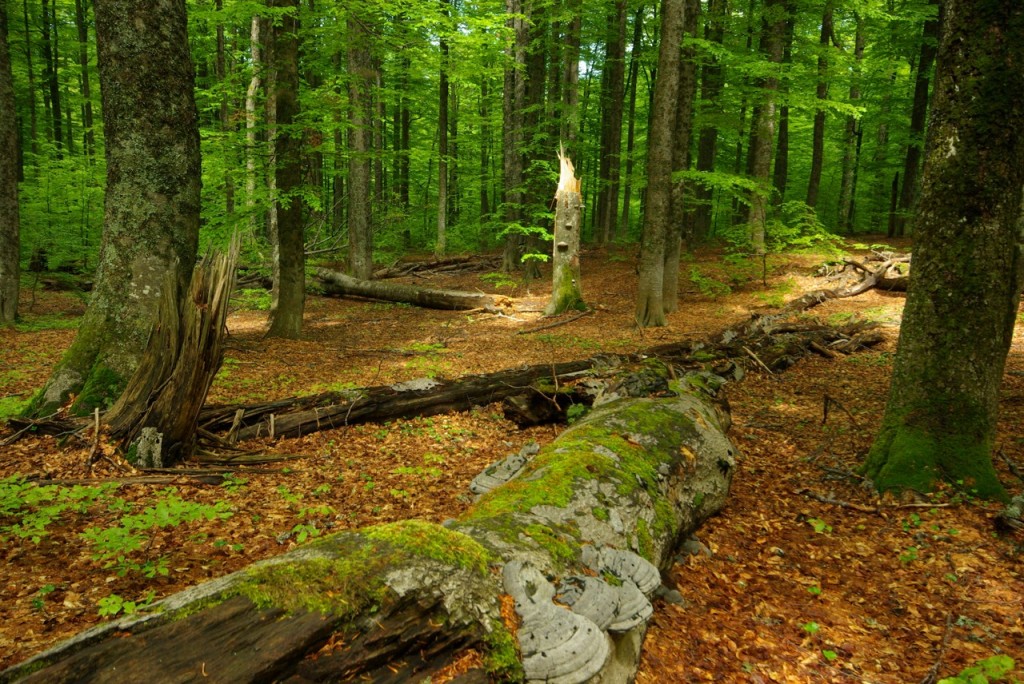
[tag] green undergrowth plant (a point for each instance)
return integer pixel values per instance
(992, 670)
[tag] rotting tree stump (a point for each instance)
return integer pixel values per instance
(590, 519)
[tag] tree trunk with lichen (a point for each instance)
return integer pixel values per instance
(958, 322)
(592, 517)
(151, 223)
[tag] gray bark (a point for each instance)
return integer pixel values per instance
(151, 221)
(341, 284)
(10, 241)
(763, 125)
(566, 288)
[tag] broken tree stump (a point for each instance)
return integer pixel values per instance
(453, 300)
(573, 544)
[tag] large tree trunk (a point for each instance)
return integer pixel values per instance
(288, 295)
(958, 322)
(151, 224)
(341, 284)
(10, 241)
(650, 308)
(780, 175)
(592, 517)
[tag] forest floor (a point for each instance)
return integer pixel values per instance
(859, 589)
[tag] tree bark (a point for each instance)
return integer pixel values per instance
(89, 140)
(780, 175)
(30, 73)
(288, 295)
(566, 286)
(50, 75)
(514, 97)
(712, 81)
(852, 137)
(634, 75)
(251, 93)
(763, 125)
(341, 284)
(611, 123)
(677, 231)
(940, 419)
(360, 224)
(596, 513)
(184, 354)
(918, 120)
(10, 224)
(650, 309)
(151, 222)
(440, 246)
(821, 94)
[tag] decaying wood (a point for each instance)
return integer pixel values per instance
(591, 519)
(453, 300)
(447, 266)
(184, 354)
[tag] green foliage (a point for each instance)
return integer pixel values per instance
(819, 526)
(988, 671)
(253, 299)
(114, 604)
(708, 286)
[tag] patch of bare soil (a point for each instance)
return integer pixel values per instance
(810, 576)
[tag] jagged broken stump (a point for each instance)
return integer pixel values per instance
(573, 542)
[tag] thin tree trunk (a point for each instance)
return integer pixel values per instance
(89, 141)
(485, 155)
(650, 310)
(570, 115)
(634, 74)
(781, 173)
(711, 88)
(512, 112)
(852, 138)
(763, 126)
(225, 113)
(288, 295)
(442, 149)
(33, 122)
(611, 123)
(360, 227)
(50, 75)
(10, 240)
(250, 125)
(821, 94)
(682, 137)
(918, 119)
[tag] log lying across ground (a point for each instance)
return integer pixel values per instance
(573, 545)
(453, 300)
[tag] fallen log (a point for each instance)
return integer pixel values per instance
(336, 283)
(576, 541)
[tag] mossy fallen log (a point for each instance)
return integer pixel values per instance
(574, 543)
